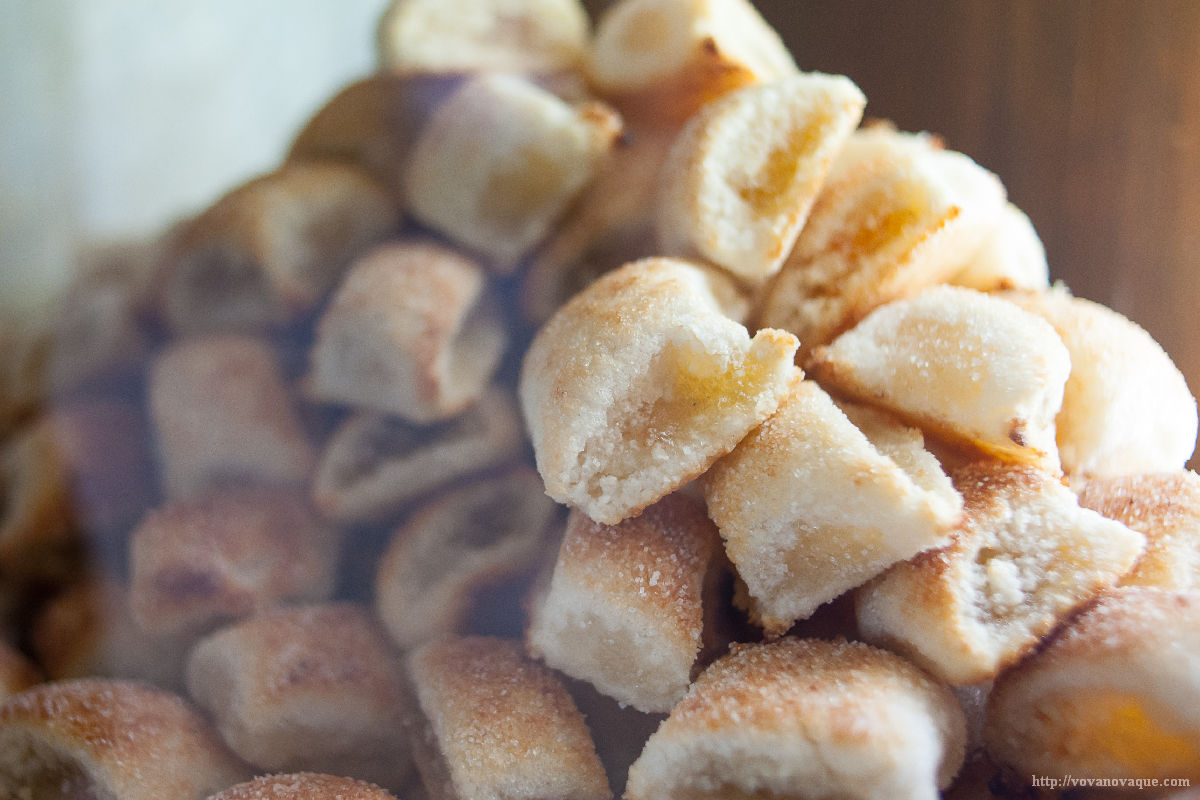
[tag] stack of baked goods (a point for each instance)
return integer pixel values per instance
(585, 413)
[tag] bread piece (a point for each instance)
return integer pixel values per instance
(500, 160)
(1116, 695)
(896, 215)
(197, 563)
(629, 607)
(222, 415)
(743, 174)
(1126, 407)
(303, 786)
(423, 37)
(411, 332)
(968, 366)
(26, 340)
(314, 688)
(493, 724)
(17, 673)
(810, 507)
(268, 251)
(805, 718)
(455, 548)
(662, 60)
(1011, 256)
(640, 382)
(373, 465)
(1024, 558)
(37, 533)
(111, 740)
(1165, 508)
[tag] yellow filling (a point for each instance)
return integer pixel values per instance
(1109, 727)
(769, 195)
(703, 381)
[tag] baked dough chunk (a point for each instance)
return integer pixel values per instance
(411, 331)
(1115, 695)
(896, 214)
(641, 381)
(1024, 558)
(456, 547)
(499, 161)
(37, 532)
(1165, 508)
(375, 464)
(17, 673)
(743, 174)
(1011, 256)
(626, 605)
(1126, 407)
(810, 506)
(110, 740)
(227, 555)
(805, 718)
(662, 60)
(968, 366)
(267, 252)
(433, 37)
(303, 786)
(490, 723)
(221, 414)
(314, 688)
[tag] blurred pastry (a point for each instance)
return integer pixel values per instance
(1011, 256)
(17, 673)
(38, 537)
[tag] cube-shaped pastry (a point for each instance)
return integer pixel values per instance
(310, 688)
(641, 381)
(805, 718)
(491, 723)
(1025, 557)
(629, 607)
(411, 332)
(1115, 695)
(810, 506)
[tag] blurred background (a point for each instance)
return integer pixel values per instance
(122, 115)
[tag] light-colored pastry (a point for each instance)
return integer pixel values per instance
(629, 607)
(230, 554)
(17, 673)
(810, 506)
(37, 530)
(500, 160)
(1115, 695)
(221, 415)
(1025, 557)
(314, 688)
(1126, 407)
(641, 381)
(434, 37)
(896, 215)
(374, 464)
(490, 723)
(805, 718)
(1165, 508)
(303, 786)
(660, 61)
(966, 365)
(268, 251)
(476, 537)
(743, 174)
(1011, 256)
(411, 331)
(110, 740)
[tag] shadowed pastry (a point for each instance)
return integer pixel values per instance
(17, 673)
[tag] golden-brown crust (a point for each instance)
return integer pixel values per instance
(303, 786)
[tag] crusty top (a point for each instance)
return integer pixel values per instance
(303, 786)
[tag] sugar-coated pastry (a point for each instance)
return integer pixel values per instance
(805, 718)
(1025, 557)
(810, 506)
(17, 673)
(310, 688)
(1115, 695)
(490, 723)
(660, 61)
(456, 547)
(1011, 256)
(743, 174)
(641, 381)
(110, 740)
(1126, 407)
(37, 530)
(221, 415)
(1165, 508)
(499, 161)
(411, 331)
(197, 563)
(303, 786)
(960, 363)
(629, 607)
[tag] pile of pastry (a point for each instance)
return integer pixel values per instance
(835, 495)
